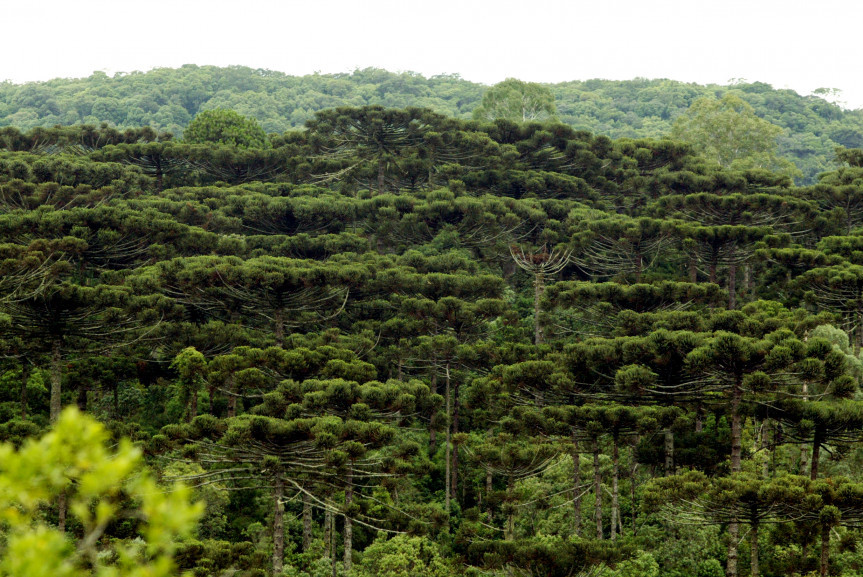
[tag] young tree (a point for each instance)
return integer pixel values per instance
(223, 126)
(516, 100)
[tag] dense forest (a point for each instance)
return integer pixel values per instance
(402, 343)
(168, 99)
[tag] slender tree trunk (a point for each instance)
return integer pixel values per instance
(455, 420)
(433, 419)
(736, 449)
(538, 289)
(56, 379)
(115, 392)
(615, 496)
(55, 408)
(576, 487)
(193, 404)
(81, 401)
(699, 418)
(278, 526)
(693, 268)
(62, 507)
(732, 286)
(488, 489)
(669, 452)
(329, 539)
(279, 328)
(633, 469)
(736, 427)
(160, 177)
(381, 175)
(825, 550)
(349, 528)
(509, 530)
(597, 486)
(753, 550)
(816, 453)
(307, 522)
(765, 446)
(448, 447)
(332, 542)
(25, 378)
(733, 535)
(232, 397)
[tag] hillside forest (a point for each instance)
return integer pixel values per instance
(399, 342)
(168, 99)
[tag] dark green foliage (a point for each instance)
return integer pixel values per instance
(523, 347)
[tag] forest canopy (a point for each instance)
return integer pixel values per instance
(402, 342)
(168, 99)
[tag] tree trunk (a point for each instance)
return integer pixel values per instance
(433, 419)
(25, 378)
(232, 397)
(765, 446)
(576, 487)
(330, 538)
(732, 286)
(56, 379)
(488, 489)
(81, 401)
(633, 469)
(329, 529)
(753, 550)
(509, 531)
(816, 453)
(55, 407)
(349, 528)
(597, 487)
(538, 289)
(307, 522)
(381, 175)
(736, 426)
(615, 500)
(279, 328)
(699, 418)
(62, 507)
(193, 404)
(669, 452)
(455, 419)
(693, 268)
(448, 447)
(733, 534)
(278, 526)
(825, 550)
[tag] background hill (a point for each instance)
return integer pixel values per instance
(167, 99)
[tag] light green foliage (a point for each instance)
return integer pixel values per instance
(222, 126)
(403, 556)
(729, 132)
(100, 487)
(516, 100)
(642, 565)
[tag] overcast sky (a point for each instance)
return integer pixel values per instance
(802, 45)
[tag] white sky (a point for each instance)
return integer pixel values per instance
(802, 45)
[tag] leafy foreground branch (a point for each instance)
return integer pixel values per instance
(101, 487)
